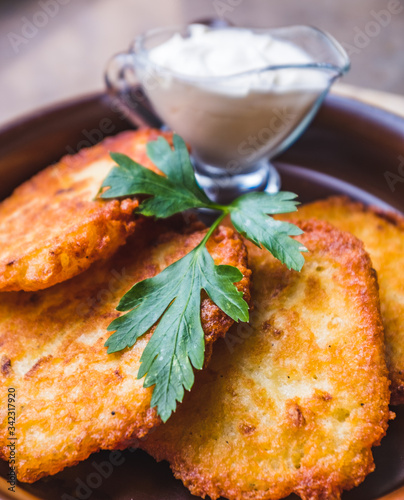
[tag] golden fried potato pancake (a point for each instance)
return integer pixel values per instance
(383, 236)
(73, 398)
(293, 401)
(52, 229)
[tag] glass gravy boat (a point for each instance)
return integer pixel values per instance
(235, 124)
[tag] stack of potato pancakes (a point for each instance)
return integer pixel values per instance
(291, 402)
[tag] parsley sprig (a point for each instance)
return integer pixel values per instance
(172, 299)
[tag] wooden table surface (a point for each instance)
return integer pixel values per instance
(386, 100)
(66, 57)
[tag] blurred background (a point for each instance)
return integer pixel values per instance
(52, 50)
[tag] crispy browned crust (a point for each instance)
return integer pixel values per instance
(51, 229)
(293, 402)
(383, 235)
(226, 248)
(73, 398)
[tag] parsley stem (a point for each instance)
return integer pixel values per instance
(221, 208)
(212, 228)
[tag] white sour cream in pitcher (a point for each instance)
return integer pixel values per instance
(219, 90)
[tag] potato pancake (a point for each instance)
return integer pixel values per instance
(52, 229)
(383, 236)
(293, 401)
(73, 398)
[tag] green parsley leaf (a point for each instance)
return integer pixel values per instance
(179, 191)
(250, 216)
(175, 193)
(172, 299)
(177, 344)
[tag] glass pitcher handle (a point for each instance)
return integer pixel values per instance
(118, 69)
(125, 91)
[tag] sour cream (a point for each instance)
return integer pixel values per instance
(233, 94)
(224, 52)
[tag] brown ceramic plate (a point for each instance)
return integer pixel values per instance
(347, 150)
